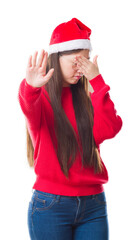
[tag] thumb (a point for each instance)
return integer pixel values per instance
(48, 75)
(95, 60)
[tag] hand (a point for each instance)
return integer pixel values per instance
(88, 68)
(36, 73)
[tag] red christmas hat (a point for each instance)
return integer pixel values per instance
(69, 36)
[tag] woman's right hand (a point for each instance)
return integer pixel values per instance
(36, 73)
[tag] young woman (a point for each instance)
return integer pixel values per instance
(65, 126)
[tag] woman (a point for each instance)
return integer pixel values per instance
(65, 126)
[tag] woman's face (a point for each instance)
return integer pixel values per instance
(69, 68)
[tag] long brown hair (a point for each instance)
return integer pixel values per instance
(67, 144)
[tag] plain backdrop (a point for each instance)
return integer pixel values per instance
(25, 27)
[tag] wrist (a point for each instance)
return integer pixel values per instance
(93, 76)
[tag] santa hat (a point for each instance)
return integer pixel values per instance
(69, 36)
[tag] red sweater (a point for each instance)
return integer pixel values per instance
(39, 118)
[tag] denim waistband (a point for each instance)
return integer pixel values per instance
(63, 196)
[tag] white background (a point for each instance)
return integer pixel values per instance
(26, 26)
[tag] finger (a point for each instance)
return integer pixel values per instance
(85, 59)
(82, 69)
(74, 63)
(29, 61)
(34, 58)
(41, 58)
(49, 75)
(83, 62)
(79, 70)
(80, 73)
(44, 63)
(76, 60)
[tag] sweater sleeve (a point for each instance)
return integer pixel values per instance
(30, 102)
(106, 121)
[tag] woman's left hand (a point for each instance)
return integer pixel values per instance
(89, 69)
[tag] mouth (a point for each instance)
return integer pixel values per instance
(77, 77)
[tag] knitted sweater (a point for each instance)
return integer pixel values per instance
(40, 123)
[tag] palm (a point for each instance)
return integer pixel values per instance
(36, 72)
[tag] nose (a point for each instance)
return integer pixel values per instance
(74, 64)
(78, 72)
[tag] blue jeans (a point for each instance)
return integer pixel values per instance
(58, 217)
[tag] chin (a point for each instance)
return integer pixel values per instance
(75, 79)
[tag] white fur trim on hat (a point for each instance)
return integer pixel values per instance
(70, 45)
